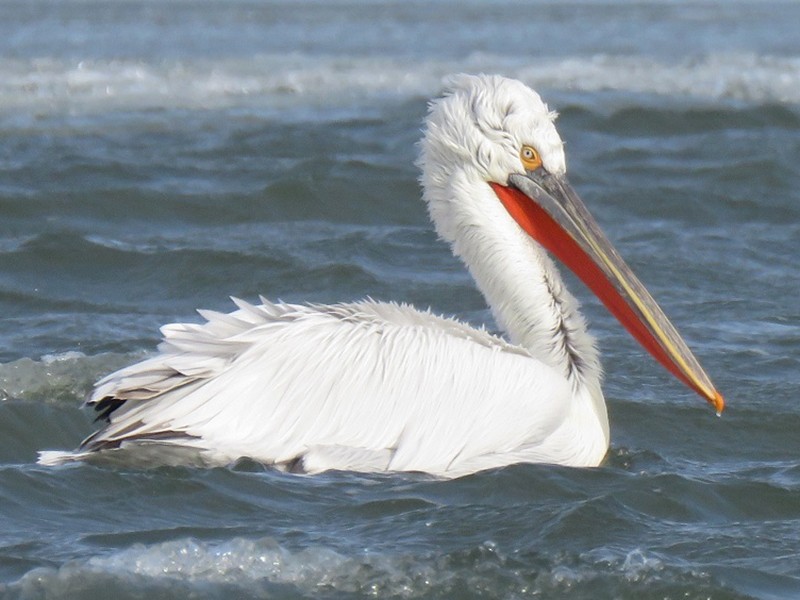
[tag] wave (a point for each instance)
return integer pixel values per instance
(282, 81)
(263, 567)
(64, 377)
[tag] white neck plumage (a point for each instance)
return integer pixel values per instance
(519, 281)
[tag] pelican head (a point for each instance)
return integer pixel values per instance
(494, 172)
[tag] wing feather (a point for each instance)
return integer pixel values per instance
(363, 385)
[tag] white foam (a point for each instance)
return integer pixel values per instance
(69, 356)
(746, 77)
(251, 565)
(242, 563)
(53, 85)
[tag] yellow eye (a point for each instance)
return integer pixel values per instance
(530, 158)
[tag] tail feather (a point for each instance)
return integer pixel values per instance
(53, 458)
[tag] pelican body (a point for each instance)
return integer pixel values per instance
(373, 386)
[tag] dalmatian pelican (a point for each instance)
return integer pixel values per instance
(374, 386)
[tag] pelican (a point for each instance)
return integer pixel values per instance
(373, 386)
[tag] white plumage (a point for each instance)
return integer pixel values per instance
(373, 386)
(365, 386)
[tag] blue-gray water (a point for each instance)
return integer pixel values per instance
(158, 157)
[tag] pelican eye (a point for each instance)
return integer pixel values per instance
(530, 158)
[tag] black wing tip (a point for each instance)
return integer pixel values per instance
(105, 406)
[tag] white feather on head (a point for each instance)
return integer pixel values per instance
(478, 127)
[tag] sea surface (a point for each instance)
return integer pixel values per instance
(157, 157)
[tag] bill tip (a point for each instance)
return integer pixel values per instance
(719, 403)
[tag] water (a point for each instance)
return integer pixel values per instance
(158, 157)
